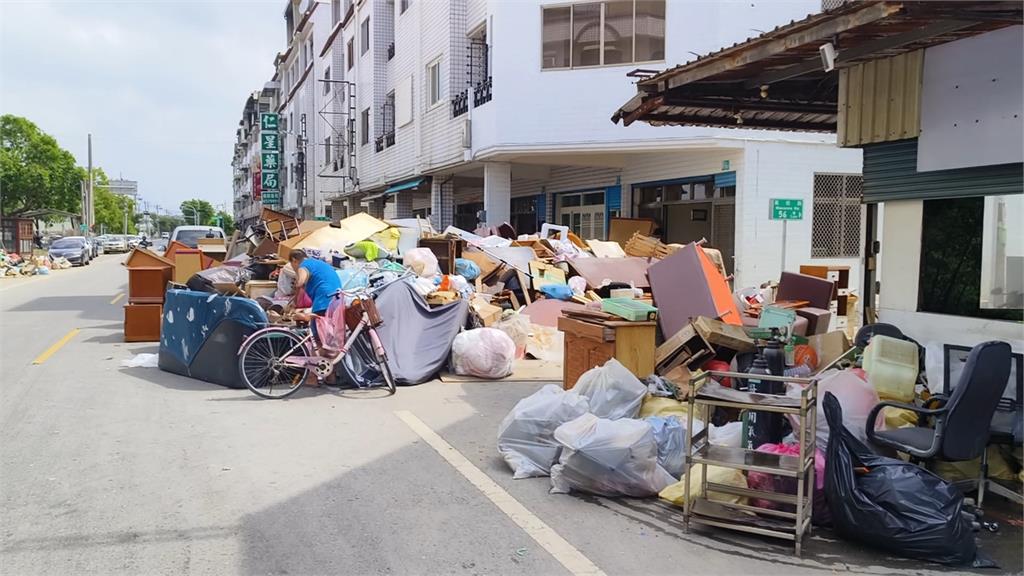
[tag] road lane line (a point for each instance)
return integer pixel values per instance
(116, 298)
(57, 346)
(572, 559)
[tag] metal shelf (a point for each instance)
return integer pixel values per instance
(752, 460)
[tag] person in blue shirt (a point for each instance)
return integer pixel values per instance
(320, 281)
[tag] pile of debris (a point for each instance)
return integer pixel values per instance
(12, 264)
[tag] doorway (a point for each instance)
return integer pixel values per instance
(583, 213)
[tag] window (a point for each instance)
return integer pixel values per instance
(403, 5)
(603, 33)
(835, 227)
(364, 36)
(327, 80)
(465, 215)
(364, 125)
(350, 51)
(327, 151)
(434, 83)
(972, 257)
(524, 214)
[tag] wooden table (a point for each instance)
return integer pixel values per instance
(589, 344)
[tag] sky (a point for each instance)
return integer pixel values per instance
(159, 84)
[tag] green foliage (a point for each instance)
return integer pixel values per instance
(168, 223)
(203, 207)
(224, 220)
(111, 208)
(35, 172)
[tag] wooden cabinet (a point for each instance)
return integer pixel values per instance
(147, 284)
(840, 277)
(590, 344)
(142, 322)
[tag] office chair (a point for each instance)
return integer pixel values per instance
(961, 422)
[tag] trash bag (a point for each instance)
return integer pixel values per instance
(421, 261)
(614, 392)
(730, 434)
(483, 352)
(557, 291)
(517, 326)
(669, 434)
(526, 437)
(676, 493)
(609, 458)
(467, 268)
(658, 406)
(788, 485)
(891, 504)
(856, 397)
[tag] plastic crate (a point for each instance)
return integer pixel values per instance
(629, 309)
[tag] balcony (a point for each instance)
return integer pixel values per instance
(389, 139)
(460, 104)
(482, 92)
(378, 144)
(391, 51)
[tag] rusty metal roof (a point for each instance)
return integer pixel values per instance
(777, 80)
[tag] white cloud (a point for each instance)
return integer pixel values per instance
(160, 85)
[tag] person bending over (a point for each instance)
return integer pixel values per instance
(319, 280)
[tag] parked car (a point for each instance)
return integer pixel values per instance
(75, 248)
(114, 243)
(165, 235)
(190, 235)
(95, 247)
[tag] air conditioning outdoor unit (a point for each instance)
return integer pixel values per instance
(467, 133)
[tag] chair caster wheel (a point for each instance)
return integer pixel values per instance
(992, 527)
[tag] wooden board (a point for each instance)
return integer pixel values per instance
(621, 229)
(525, 370)
(142, 322)
(140, 257)
(186, 263)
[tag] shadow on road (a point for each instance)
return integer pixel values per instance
(87, 307)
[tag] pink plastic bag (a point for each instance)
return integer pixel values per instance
(784, 485)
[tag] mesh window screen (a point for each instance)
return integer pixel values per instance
(836, 223)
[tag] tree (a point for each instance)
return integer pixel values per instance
(224, 220)
(111, 208)
(35, 172)
(189, 208)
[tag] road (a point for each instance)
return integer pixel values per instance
(111, 470)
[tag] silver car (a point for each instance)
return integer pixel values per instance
(75, 248)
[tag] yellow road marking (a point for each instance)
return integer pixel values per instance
(116, 298)
(57, 346)
(572, 559)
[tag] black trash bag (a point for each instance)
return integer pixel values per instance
(891, 504)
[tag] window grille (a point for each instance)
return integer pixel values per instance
(835, 231)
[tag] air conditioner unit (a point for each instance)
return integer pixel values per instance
(467, 133)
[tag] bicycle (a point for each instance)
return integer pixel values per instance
(271, 366)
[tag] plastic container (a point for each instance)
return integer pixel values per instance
(891, 365)
(629, 309)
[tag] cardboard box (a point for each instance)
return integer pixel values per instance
(829, 347)
(489, 313)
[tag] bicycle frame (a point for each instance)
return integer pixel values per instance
(305, 345)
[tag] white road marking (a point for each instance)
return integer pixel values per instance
(573, 560)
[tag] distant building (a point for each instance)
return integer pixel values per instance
(125, 188)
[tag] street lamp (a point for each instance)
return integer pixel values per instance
(195, 213)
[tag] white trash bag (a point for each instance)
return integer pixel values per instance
(614, 392)
(483, 352)
(421, 261)
(526, 437)
(608, 457)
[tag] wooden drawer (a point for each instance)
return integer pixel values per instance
(147, 285)
(142, 322)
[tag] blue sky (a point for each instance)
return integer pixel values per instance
(160, 85)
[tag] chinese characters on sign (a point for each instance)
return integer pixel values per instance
(270, 159)
(787, 209)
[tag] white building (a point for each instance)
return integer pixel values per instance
(499, 110)
(245, 162)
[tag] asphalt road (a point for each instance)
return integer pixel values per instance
(110, 470)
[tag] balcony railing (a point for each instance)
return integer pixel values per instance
(391, 51)
(389, 139)
(482, 92)
(378, 144)
(460, 104)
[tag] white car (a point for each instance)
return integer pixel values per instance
(190, 235)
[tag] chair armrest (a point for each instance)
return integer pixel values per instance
(873, 415)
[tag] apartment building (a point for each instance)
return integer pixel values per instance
(245, 162)
(487, 111)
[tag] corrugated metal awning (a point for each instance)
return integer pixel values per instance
(777, 81)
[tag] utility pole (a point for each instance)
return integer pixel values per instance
(90, 208)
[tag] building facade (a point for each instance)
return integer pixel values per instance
(487, 111)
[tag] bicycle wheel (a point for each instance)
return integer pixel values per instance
(364, 369)
(261, 364)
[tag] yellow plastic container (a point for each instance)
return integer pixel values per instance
(891, 365)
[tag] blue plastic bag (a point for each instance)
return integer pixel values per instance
(557, 291)
(668, 433)
(467, 269)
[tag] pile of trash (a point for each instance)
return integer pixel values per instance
(12, 264)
